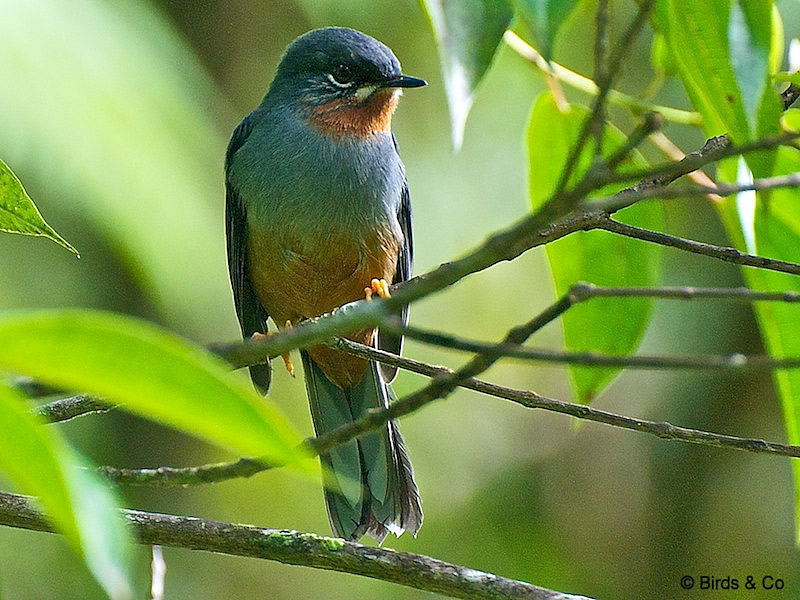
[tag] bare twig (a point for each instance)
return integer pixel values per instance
(580, 411)
(730, 362)
(600, 71)
(673, 152)
(65, 409)
(725, 253)
(560, 202)
(714, 149)
(583, 291)
(204, 474)
(306, 549)
(622, 200)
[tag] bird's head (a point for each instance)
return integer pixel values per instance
(343, 81)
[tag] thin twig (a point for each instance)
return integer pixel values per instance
(729, 362)
(714, 149)
(724, 253)
(667, 147)
(245, 467)
(531, 399)
(583, 291)
(68, 408)
(505, 245)
(600, 71)
(441, 385)
(651, 123)
(623, 200)
(560, 203)
(306, 549)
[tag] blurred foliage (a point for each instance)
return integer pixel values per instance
(117, 122)
(468, 35)
(78, 504)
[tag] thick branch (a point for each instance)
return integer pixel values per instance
(306, 549)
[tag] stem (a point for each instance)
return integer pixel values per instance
(586, 85)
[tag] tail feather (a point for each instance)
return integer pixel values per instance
(372, 488)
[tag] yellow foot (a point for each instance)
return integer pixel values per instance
(287, 359)
(377, 286)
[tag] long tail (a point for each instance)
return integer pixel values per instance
(371, 488)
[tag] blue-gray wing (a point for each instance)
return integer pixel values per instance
(252, 316)
(405, 262)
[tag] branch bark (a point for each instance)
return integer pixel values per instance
(305, 549)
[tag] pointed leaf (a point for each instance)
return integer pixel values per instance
(544, 18)
(18, 213)
(468, 33)
(149, 371)
(722, 49)
(40, 463)
(601, 325)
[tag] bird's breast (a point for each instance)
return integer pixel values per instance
(299, 275)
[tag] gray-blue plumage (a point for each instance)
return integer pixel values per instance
(298, 194)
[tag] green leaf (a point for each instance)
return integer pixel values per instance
(544, 18)
(600, 325)
(777, 236)
(151, 372)
(18, 213)
(788, 77)
(777, 48)
(722, 51)
(38, 461)
(791, 119)
(468, 33)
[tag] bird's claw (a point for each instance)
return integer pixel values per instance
(287, 359)
(377, 286)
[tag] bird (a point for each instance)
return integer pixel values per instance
(318, 215)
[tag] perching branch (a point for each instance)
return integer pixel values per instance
(530, 231)
(214, 473)
(305, 549)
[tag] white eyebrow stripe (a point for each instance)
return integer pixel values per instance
(332, 79)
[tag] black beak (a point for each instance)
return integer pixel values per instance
(404, 81)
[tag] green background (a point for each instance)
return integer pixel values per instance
(116, 115)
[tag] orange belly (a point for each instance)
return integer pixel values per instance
(300, 278)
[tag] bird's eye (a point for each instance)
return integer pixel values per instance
(342, 75)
